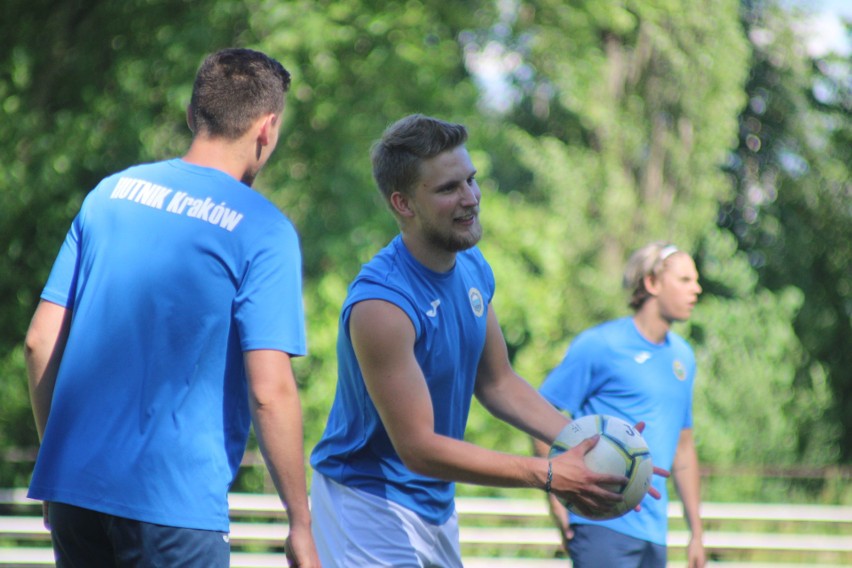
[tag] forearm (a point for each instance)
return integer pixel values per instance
(687, 479)
(516, 402)
(278, 427)
(41, 375)
(454, 460)
(557, 510)
(43, 348)
(446, 458)
(277, 418)
(688, 488)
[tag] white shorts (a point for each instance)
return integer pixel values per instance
(353, 528)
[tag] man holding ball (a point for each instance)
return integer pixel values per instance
(418, 338)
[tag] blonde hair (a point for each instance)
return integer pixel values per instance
(647, 261)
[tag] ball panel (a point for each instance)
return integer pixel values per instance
(640, 482)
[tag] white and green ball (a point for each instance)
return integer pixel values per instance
(621, 450)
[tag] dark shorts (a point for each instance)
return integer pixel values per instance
(600, 547)
(86, 538)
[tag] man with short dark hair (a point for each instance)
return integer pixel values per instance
(418, 339)
(164, 331)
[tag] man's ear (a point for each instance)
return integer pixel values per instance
(190, 122)
(652, 285)
(400, 204)
(267, 123)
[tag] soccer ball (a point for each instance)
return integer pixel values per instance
(621, 450)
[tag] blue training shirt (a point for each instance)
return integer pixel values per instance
(171, 271)
(612, 369)
(448, 311)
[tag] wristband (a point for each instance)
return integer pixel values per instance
(549, 476)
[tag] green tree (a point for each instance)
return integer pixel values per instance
(791, 211)
(358, 66)
(85, 88)
(620, 117)
(624, 121)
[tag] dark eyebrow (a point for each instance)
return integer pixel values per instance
(454, 182)
(449, 185)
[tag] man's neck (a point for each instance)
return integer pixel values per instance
(651, 326)
(216, 153)
(428, 255)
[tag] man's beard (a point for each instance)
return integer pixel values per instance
(452, 241)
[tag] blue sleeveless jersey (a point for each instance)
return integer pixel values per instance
(171, 271)
(612, 369)
(448, 311)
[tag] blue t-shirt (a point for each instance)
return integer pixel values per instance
(170, 271)
(448, 311)
(612, 369)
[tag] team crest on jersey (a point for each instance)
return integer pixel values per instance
(477, 304)
(679, 370)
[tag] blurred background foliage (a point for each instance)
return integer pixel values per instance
(595, 127)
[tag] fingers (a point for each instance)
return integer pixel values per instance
(572, 465)
(593, 498)
(586, 445)
(575, 483)
(661, 472)
(640, 427)
(567, 537)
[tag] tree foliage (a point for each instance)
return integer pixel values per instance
(85, 88)
(616, 120)
(792, 210)
(623, 126)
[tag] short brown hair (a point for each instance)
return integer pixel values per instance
(233, 88)
(405, 144)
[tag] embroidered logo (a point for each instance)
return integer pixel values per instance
(476, 302)
(434, 311)
(642, 356)
(679, 370)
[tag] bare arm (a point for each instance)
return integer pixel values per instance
(383, 339)
(558, 512)
(508, 396)
(512, 399)
(43, 349)
(277, 417)
(688, 484)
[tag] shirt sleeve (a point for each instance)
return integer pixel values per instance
(692, 369)
(268, 307)
(568, 385)
(62, 282)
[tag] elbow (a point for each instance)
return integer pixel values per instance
(47, 333)
(412, 460)
(418, 459)
(35, 343)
